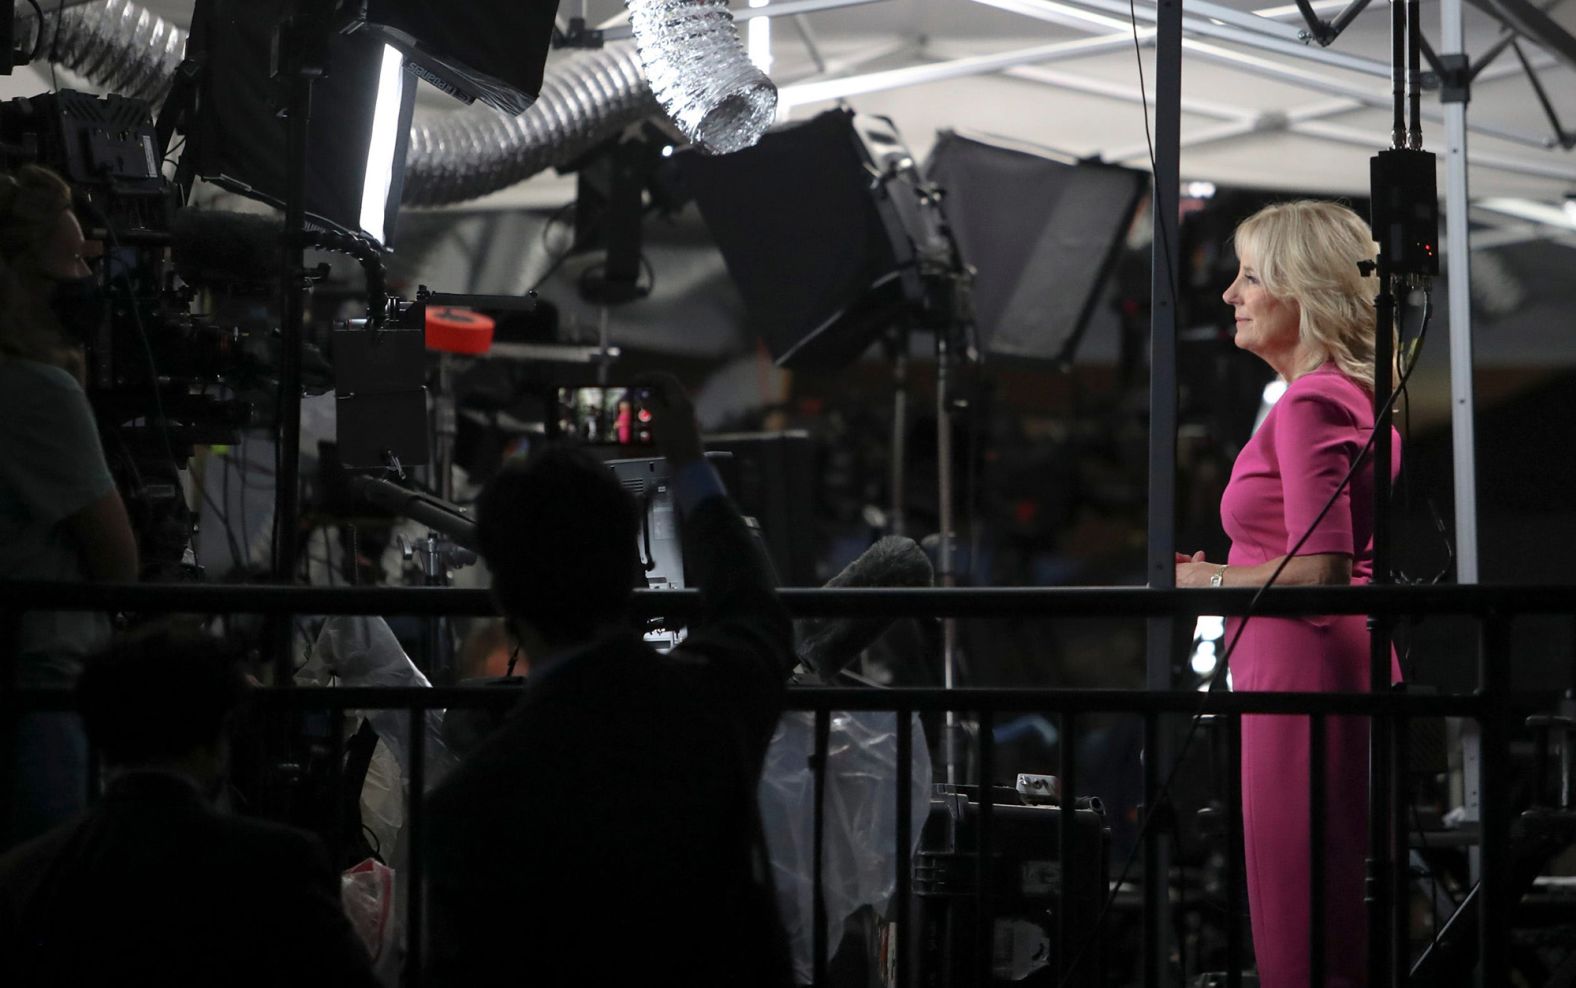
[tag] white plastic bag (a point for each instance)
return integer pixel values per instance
(362, 651)
(367, 892)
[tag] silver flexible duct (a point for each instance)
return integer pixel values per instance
(116, 44)
(455, 155)
(700, 72)
(467, 153)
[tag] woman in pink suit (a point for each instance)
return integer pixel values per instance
(1304, 308)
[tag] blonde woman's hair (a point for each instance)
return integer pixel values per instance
(1308, 252)
(31, 201)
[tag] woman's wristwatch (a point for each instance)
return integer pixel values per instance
(1217, 577)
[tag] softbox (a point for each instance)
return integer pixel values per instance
(359, 128)
(1041, 234)
(808, 237)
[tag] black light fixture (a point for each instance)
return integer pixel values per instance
(817, 249)
(488, 50)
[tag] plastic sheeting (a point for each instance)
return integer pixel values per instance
(860, 839)
(362, 651)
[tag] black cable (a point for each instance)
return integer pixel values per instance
(1218, 678)
(1154, 168)
(562, 255)
(328, 555)
(147, 350)
(651, 274)
(1408, 488)
(1433, 878)
(38, 39)
(222, 515)
(514, 656)
(241, 470)
(372, 840)
(54, 45)
(171, 156)
(1409, 468)
(274, 535)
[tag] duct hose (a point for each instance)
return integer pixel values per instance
(454, 156)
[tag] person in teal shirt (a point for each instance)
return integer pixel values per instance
(61, 518)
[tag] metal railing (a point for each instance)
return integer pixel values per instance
(1491, 705)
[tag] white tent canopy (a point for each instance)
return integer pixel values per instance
(1260, 107)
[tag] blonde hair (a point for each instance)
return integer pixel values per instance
(1308, 252)
(31, 201)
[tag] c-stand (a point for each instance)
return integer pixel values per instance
(301, 56)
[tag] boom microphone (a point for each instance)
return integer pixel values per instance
(226, 248)
(829, 644)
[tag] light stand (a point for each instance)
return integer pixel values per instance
(1405, 222)
(897, 347)
(952, 745)
(947, 309)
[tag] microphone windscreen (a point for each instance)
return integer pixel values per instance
(224, 248)
(827, 645)
(892, 562)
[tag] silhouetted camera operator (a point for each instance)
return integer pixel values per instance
(154, 886)
(608, 832)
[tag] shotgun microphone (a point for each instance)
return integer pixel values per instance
(827, 645)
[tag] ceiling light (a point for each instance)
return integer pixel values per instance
(1286, 10)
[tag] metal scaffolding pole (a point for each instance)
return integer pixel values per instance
(1458, 275)
(1458, 268)
(1162, 466)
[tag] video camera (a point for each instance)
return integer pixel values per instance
(154, 358)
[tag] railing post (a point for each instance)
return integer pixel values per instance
(1156, 867)
(1401, 850)
(1493, 902)
(819, 948)
(985, 928)
(905, 940)
(1379, 872)
(1316, 848)
(1233, 851)
(10, 716)
(415, 884)
(336, 785)
(1162, 482)
(1067, 852)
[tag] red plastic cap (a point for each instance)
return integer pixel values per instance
(451, 330)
